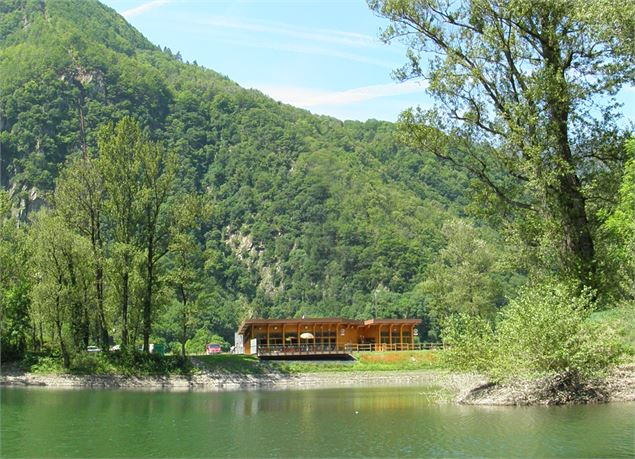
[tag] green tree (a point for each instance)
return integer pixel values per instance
(157, 169)
(120, 164)
(466, 276)
(619, 232)
(196, 344)
(61, 269)
(185, 262)
(79, 198)
(15, 284)
(517, 82)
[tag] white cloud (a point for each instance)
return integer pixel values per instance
(143, 8)
(310, 34)
(308, 97)
(307, 49)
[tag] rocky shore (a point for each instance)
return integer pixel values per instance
(619, 386)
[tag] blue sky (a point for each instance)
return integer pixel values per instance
(322, 55)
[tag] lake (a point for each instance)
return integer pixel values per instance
(351, 422)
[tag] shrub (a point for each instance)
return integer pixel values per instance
(196, 345)
(469, 342)
(545, 331)
(44, 364)
(87, 363)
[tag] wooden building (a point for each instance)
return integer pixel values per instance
(282, 337)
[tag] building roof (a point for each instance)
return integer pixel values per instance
(325, 320)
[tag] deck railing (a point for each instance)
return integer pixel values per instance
(326, 349)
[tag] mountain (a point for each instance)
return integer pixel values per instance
(312, 215)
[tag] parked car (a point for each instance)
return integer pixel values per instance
(93, 349)
(212, 348)
(115, 348)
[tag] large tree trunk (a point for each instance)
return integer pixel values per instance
(99, 287)
(568, 205)
(147, 300)
(99, 280)
(124, 309)
(58, 324)
(577, 243)
(184, 323)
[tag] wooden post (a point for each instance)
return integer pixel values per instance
(401, 337)
(268, 348)
(298, 338)
(284, 338)
(390, 336)
(378, 343)
(412, 336)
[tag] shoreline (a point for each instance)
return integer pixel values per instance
(215, 382)
(460, 388)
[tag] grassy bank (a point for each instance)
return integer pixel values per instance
(364, 361)
(621, 320)
(136, 364)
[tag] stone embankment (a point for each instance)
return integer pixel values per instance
(449, 382)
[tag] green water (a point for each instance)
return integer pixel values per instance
(396, 422)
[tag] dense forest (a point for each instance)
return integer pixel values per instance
(145, 199)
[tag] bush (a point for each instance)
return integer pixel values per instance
(131, 362)
(545, 331)
(43, 364)
(470, 343)
(196, 345)
(91, 363)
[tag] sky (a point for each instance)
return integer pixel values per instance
(321, 55)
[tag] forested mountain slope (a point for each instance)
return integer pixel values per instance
(311, 215)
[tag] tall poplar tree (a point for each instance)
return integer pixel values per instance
(79, 198)
(120, 165)
(157, 168)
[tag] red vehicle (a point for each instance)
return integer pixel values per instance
(212, 349)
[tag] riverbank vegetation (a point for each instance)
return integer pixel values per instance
(146, 200)
(141, 364)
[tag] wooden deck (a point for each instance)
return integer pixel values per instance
(347, 349)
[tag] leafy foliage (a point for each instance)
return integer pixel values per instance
(544, 331)
(308, 215)
(519, 85)
(177, 204)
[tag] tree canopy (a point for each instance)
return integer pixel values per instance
(519, 85)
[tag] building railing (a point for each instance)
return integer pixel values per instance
(325, 349)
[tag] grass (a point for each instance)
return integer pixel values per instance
(621, 320)
(229, 363)
(120, 363)
(368, 361)
(136, 364)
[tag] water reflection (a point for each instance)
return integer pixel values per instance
(351, 422)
